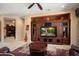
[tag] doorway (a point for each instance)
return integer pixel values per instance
(9, 29)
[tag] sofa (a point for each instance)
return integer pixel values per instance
(5, 51)
(74, 50)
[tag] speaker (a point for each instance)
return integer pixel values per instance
(77, 12)
(47, 24)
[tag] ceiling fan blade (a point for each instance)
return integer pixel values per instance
(31, 5)
(40, 7)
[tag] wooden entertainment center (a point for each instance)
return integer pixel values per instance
(52, 29)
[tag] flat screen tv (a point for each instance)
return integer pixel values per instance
(48, 31)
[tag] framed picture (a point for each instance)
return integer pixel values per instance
(27, 27)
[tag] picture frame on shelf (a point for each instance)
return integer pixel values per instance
(27, 27)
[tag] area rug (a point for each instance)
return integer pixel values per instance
(21, 51)
(24, 51)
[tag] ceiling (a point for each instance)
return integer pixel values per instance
(20, 9)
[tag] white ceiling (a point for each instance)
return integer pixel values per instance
(20, 9)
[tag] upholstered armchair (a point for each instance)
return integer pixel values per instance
(38, 48)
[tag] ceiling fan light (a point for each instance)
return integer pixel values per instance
(39, 6)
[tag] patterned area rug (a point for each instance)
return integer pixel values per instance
(24, 51)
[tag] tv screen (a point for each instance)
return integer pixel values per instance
(48, 31)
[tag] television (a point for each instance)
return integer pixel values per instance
(48, 31)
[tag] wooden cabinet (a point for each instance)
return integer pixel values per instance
(59, 25)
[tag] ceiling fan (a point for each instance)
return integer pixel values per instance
(40, 7)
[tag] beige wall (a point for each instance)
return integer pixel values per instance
(19, 29)
(2, 28)
(74, 22)
(28, 33)
(73, 27)
(78, 32)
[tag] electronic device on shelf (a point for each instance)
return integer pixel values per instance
(48, 31)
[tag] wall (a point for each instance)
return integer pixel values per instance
(73, 28)
(28, 33)
(74, 22)
(19, 29)
(2, 28)
(78, 33)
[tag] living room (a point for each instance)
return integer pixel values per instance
(23, 35)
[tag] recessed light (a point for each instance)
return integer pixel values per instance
(28, 12)
(48, 9)
(13, 21)
(62, 6)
